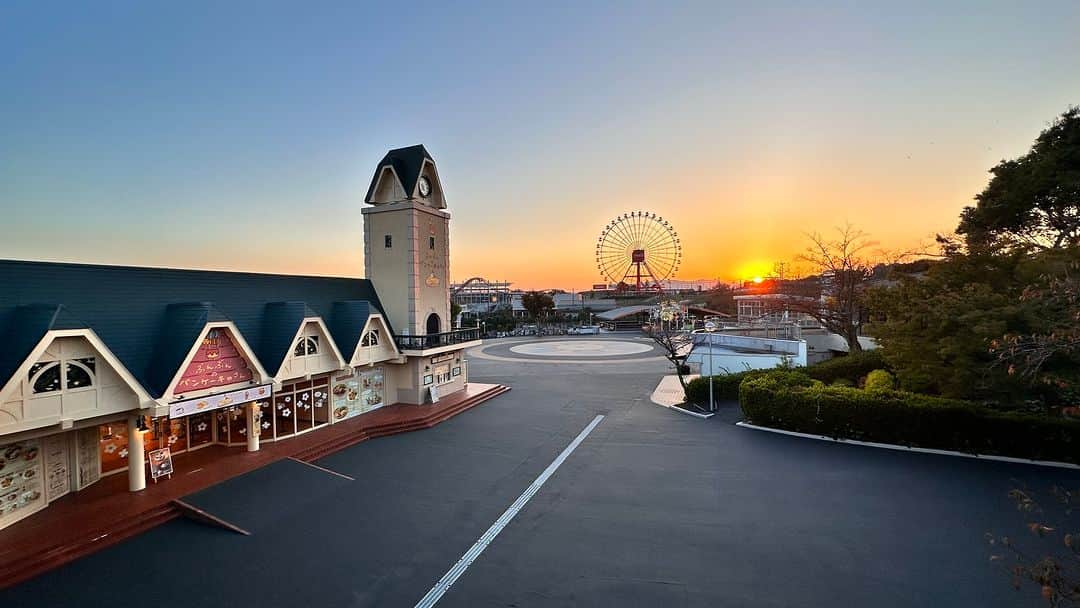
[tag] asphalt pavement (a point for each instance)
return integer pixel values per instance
(654, 508)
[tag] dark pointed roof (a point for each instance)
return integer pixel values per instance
(407, 163)
(181, 328)
(129, 308)
(26, 326)
(281, 321)
(346, 323)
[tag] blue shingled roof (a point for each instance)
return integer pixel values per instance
(129, 309)
(281, 321)
(347, 322)
(181, 328)
(407, 163)
(25, 327)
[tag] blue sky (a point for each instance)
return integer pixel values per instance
(243, 136)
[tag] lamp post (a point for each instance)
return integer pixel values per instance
(710, 326)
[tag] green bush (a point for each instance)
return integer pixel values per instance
(842, 382)
(908, 419)
(879, 380)
(726, 386)
(853, 367)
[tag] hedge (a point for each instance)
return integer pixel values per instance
(725, 387)
(853, 367)
(908, 419)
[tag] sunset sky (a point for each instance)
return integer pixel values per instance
(244, 137)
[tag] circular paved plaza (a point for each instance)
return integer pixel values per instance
(569, 350)
(581, 348)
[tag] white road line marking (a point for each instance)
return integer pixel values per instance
(488, 537)
(323, 469)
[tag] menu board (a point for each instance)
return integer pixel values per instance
(160, 463)
(357, 393)
(21, 490)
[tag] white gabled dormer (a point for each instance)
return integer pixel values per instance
(376, 343)
(312, 352)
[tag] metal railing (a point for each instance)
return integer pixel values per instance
(448, 338)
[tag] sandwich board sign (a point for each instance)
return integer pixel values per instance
(161, 464)
(434, 393)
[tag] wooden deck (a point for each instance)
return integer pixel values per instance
(106, 512)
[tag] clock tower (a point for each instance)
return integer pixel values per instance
(406, 242)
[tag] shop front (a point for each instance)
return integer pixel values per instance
(22, 473)
(297, 408)
(35, 472)
(358, 392)
(441, 374)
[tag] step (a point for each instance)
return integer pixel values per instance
(394, 428)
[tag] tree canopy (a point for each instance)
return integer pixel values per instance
(537, 303)
(997, 319)
(1033, 201)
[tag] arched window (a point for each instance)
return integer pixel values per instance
(433, 324)
(79, 373)
(306, 346)
(45, 377)
(371, 338)
(53, 376)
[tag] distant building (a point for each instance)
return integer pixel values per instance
(478, 295)
(567, 301)
(773, 308)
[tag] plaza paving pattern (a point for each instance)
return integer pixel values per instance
(652, 509)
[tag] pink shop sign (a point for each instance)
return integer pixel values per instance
(213, 402)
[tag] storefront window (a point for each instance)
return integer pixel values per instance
(320, 400)
(302, 398)
(176, 440)
(267, 421)
(21, 489)
(200, 429)
(357, 393)
(284, 415)
(236, 418)
(112, 443)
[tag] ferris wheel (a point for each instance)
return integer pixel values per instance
(639, 249)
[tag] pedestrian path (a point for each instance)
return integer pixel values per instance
(669, 392)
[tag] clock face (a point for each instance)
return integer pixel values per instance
(424, 187)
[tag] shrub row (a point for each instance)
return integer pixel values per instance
(780, 400)
(725, 387)
(852, 367)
